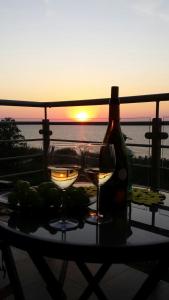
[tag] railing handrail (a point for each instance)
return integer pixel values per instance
(20, 157)
(156, 123)
(86, 102)
(21, 141)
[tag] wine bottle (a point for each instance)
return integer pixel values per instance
(113, 194)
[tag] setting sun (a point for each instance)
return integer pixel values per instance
(82, 116)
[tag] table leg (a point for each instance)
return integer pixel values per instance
(54, 287)
(93, 280)
(12, 272)
(152, 280)
(63, 272)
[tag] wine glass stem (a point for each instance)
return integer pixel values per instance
(63, 206)
(98, 200)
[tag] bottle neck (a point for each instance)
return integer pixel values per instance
(114, 113)
(114, 105)
(114, 121)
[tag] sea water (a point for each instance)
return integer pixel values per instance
(135, 134)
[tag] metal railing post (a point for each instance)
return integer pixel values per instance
(156, 154)
(156, 136)
(46, 132)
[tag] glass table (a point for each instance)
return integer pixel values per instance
(129, 237)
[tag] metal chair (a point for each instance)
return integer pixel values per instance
(14, 287)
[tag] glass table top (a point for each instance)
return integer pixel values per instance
(137, 225)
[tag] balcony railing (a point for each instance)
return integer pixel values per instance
(155, 136)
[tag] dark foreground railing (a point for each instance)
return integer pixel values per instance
(154, 137)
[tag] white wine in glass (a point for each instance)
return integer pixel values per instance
(63, 177)
(64, 162)
(99, 165)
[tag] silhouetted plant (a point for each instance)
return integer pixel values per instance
(9, 136)
(13, 144)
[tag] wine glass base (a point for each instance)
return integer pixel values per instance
(64, 225)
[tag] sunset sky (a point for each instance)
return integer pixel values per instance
(75, 49)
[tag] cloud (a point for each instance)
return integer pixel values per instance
(153, 8)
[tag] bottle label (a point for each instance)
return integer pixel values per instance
(122, 174)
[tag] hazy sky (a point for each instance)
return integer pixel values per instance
(78, 49)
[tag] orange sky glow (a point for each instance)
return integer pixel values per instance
(54, 50)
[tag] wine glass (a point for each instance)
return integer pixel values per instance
(99, 165)
(64, 162)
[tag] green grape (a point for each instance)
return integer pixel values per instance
(13, 199)
(22, 185)
(75, 198)
(34, 200)
(54, 197)
(44, 188)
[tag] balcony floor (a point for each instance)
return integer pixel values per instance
(120, 282)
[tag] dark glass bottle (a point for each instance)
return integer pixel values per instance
(113, 194)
